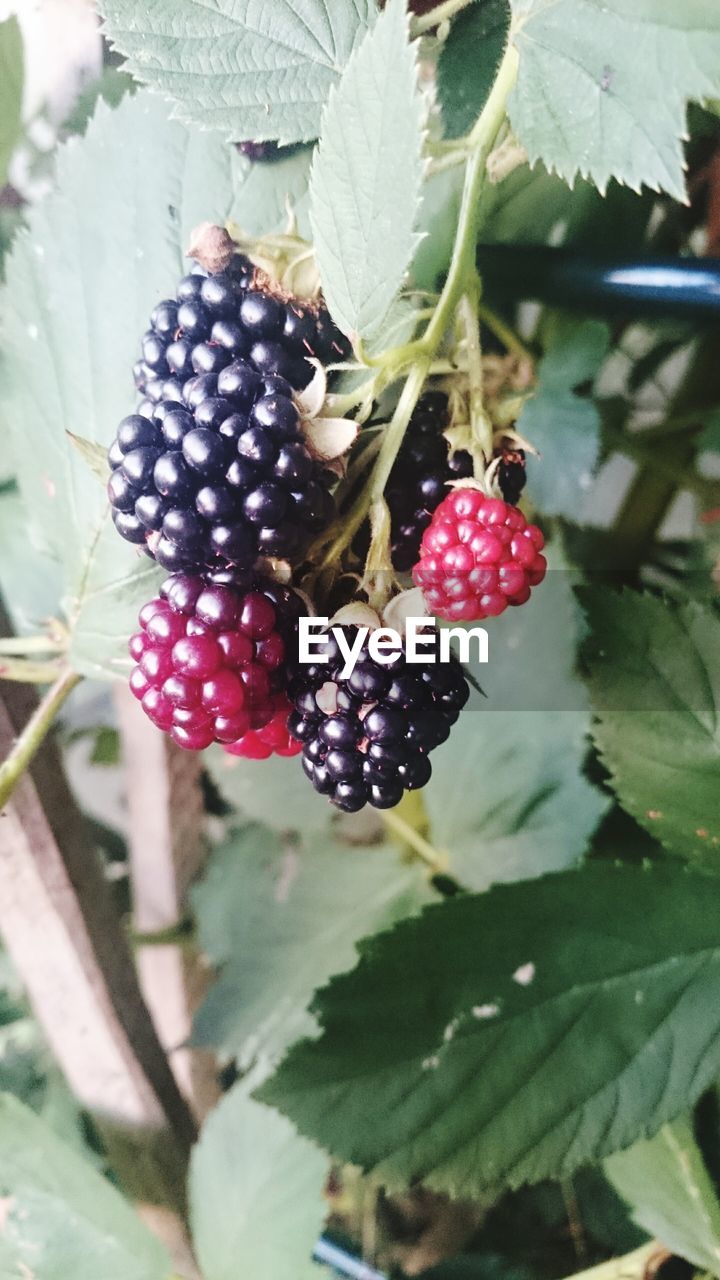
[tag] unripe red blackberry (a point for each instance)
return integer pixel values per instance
(478, 556)
(367, 737)
(272, 739)
(211, 657)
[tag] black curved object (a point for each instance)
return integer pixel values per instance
(679, 287)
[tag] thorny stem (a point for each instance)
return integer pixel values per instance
(414, 359)
(34, 733)
(480, 424)
(481, 141)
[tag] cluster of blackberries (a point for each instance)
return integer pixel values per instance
(212, 468)
(367, 737)
(221, 477)
(211, 656)
(215, 319)
(419, 479)
(424, 468)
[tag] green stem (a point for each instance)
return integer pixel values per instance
(350, 523)
(451, 160)
(503, 331)
(651, 494)
(634, 447)
(34, 733)
(480, 424)
(426, 852)
(25, 671)
(30, 644)
(481, 141)
(415, 358)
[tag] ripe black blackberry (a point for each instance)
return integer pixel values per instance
(215, 319)
(512, 475)
(218, 476)
(419, 478)
(367, 737)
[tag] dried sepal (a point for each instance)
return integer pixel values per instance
(211, 246)
(310, 401)
(329, 438)
(408, 604)
(279, 570)
(356, 614)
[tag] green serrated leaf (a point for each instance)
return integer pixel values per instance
(506, 800)
(82, 280)
(258, 71)
(110, 87)
(61, 1217)
(631, 1266)
(253, 789)
(256, 1203)
(468, 61)
(512, 1036)
(654, 681)
(565, 427)
(266, 190)
(603, 86)
(11, 90)
(94, 455)
(28, 578)
(367, 176)
(259, 907)
(671, 1195)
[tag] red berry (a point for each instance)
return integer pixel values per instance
(201, 686)
(157, 665)
(166, 628)
(223, 694)
(139, 683)
(231, 728)
(193, 739)
(271, 650)
(237, 648)
(158, 708)
(477, 556)
(218, 608)
(274, 738)
(198, 656)
(137, 645)
(190, 718)
(182, 691)
(257, 618)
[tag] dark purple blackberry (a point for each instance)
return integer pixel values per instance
(419, 479)
(216, 319)
(220, 479)
(512, 475)
(367, 737)
(267, 152)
